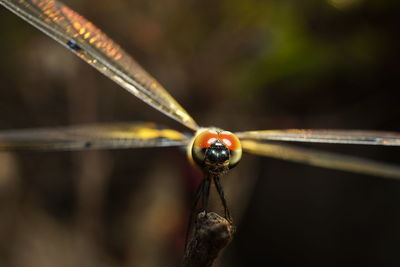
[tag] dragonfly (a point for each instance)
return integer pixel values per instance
(213, 150)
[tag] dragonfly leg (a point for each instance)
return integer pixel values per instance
(199, 193)
(222, 197)
(205, 194)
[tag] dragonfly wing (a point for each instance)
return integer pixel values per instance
(96, 136)
(359, 137)
(322, 159)
(93, 46)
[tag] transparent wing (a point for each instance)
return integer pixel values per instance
(322, 159)
(96, 136)
(325, 136)
(93, 46)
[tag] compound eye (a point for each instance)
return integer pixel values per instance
(233, 144)
(200, 144)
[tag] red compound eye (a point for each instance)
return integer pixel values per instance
(230, 140)
(205, 139)
(233, 144)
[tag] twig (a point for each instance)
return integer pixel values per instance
(210, 235)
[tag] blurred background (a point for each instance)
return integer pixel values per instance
(238, 65)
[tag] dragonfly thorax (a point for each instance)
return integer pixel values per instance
(215, 150)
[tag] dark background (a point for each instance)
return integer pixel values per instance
(238, 65)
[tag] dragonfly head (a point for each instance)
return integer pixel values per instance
(215, 150)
